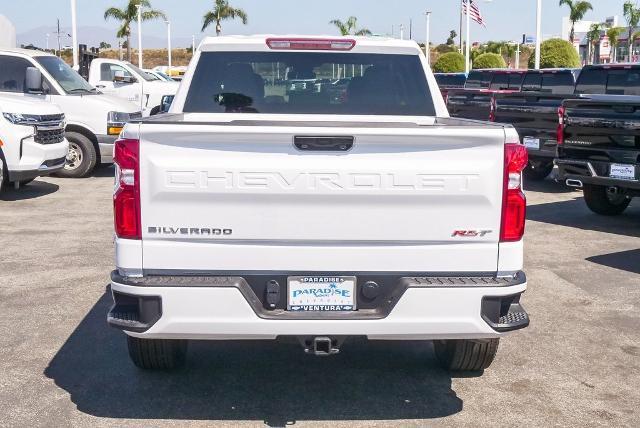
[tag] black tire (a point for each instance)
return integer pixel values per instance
(466, 355)
(157, 354)
(82, 156)
(4, 173)
(25, 182)
(538, 170)
(604, 203)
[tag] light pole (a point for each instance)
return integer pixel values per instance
(538, 33)
(401, 31)
(467, 55)
(74, 35)
(139, 35)
(193, 45)
(427, 51)
(169, 41)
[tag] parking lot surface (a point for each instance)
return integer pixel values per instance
(61, 365)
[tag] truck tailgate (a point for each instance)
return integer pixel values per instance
(229, 197)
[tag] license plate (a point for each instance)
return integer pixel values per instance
(624, 172)
(531, 143)
(321, 293)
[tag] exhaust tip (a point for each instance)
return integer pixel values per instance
(574, 183)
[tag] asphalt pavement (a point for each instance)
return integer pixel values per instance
(578, 364)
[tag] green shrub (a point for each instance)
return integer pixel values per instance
(451, 62)
(556, 53)
(489, 60)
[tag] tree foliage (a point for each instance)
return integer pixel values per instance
(631, 13)
(350, 27)
(129, 14)
(222, 11)
(451, 40)
(489, 60)
(450, 62)
(577, 11)
(556, 53)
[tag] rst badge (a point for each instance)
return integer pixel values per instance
(470, 233)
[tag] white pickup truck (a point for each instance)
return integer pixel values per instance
(125, 80)
(248, 212)
(32, 142)
(93, 119)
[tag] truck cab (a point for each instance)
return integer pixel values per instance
(32, 142)
(125, 80)
(93, 119)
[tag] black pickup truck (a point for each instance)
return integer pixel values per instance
(534, 114)
(599, 146)
(474, 101)
(449, 81)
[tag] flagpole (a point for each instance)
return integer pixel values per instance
(468, 47)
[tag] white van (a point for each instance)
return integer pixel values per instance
(93, 119)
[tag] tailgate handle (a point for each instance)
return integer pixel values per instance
(323, 143)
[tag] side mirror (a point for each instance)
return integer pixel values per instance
(165, 105)
(119, 76)
(33, 80)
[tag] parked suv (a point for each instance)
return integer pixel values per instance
(32, 142)
(93, 119)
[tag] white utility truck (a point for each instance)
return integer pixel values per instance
(94, 120)
(125, 80)
(32, 142)
(253, 212)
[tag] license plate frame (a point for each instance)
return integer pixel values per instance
(622, 171)
(321, 293)
(531, 143)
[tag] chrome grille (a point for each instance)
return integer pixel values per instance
(49, 136)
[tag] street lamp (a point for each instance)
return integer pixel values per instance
(169, 40)
(139, 6)
(74, 35)
(427, 51)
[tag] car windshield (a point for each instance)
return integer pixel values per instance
(68, 78)
(309, 83)
(146, 76)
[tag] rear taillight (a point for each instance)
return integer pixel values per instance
(514, 203)
(126, 197)
(560, 130)
(492, 110)
(311, 44)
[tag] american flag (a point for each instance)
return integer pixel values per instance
(475, 12)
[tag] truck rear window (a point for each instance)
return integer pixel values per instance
(506, 81)
(555, 83)
(479, 80)
(609, 81)
(309, 83)
(451, 80)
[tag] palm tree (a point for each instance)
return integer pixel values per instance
(593, 38)
(350, 27)
(613, 34)
(577, 11)
(631, 13)
(130, 14)
(222, 11)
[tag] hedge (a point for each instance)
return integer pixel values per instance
(489, 60)
(451, 62)
(556, 53)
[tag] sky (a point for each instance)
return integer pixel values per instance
(505, 19)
